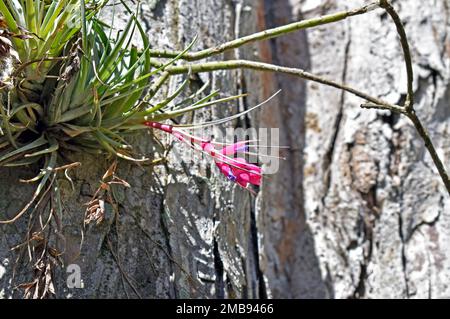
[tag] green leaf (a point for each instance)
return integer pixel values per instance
(36, 143)
(54, 146)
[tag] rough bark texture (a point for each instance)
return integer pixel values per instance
(356, 211)
(372, 196)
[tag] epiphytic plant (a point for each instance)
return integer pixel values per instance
(69, 83)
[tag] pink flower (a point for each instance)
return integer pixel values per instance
(237, 170)
(235, 148)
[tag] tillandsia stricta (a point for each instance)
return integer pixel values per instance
(78, 86)
(70, 83)
(235, 169)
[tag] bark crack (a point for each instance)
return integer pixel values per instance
(445, 38)
(262, 292)
(369, 222)
(166, 235)
(328, 157)
(219, 269)
(403, 254)
(425, 223)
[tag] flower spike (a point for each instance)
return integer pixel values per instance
(237, 170)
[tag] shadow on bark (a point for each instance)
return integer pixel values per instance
(292, 266)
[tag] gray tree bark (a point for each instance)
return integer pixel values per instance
(356, 211)
(373, 198)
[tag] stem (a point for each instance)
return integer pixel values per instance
(408, 108)
(406, 52)
(392, 108)
(267, 34)
(431, 149)
(260, 66)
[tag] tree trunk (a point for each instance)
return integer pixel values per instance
(356, 211)
(373, 197)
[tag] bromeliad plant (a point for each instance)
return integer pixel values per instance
(74, 84)
(70, 83)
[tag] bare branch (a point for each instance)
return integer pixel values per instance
(406, 52)
(260, 66)
(409, 103)
(392, 108)
(430, 147)
(266, 34)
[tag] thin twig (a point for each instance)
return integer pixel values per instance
(392, 108)
(267, 34)
(409, 103)
(431, 148)
(260, 66)
(406, 52)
